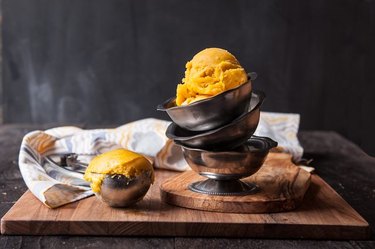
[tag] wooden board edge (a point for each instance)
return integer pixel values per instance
(3, 227)
(194, 229)
(363, 221)
(4, 219)
(359, 232)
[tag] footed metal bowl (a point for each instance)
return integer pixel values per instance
(226, 137)
(210, 113)
(225, 168)
(120, 191)
(232, 164)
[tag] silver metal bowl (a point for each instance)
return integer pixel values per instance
(210, 113)
(120, 191)
(232, 164)
(225, 168)
(226, 137)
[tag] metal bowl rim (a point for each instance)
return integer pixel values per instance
(237, 120)
(162, 107)
(271, 144)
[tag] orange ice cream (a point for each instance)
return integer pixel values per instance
(210, 72)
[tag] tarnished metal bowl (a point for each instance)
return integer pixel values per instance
(120, 191)
(224, 168)
(232, 164)
(210, 113)
(225, 137)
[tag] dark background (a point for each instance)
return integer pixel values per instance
(113, 61)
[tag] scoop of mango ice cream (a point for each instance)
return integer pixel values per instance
(210, 72)
(116, 162)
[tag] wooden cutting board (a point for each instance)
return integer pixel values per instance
(323, 214)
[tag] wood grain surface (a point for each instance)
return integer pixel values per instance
(282, 186)
(322, 215)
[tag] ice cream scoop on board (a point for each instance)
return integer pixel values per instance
(120, 177)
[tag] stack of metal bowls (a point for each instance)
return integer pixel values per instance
(216, 136)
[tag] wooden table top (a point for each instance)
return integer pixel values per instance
(343, 165)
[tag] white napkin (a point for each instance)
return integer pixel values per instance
(55, 186)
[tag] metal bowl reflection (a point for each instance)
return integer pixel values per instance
(225, 168)
(120, 191)
(226, 137)
(234, 164)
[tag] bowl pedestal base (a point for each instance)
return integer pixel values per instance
(219, 187)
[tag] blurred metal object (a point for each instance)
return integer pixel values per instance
(210, 113)
(223, 138)
(120, 191)
(71, 162)
(55, 169)
(252, 75)
(225, 168)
